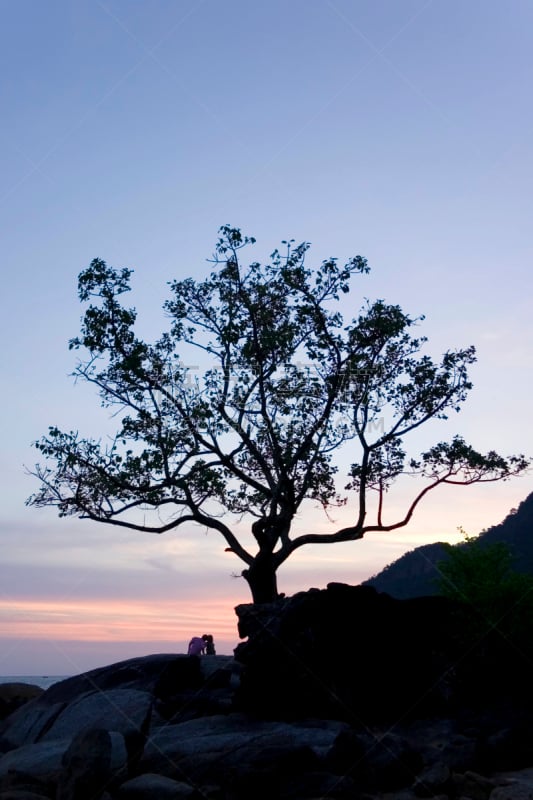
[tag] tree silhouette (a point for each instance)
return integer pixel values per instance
(290, 385)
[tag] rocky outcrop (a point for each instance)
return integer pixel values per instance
(140, 729)
(348, 652)
(294, 719)
(86, 736)
(96, 759)
(351, 653)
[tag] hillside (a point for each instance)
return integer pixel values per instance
(415, 573)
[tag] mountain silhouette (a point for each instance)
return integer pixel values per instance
(416, 574)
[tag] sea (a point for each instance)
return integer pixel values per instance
(44, 681)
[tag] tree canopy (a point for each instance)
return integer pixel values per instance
(496, 600)
(477, 574)
(290, 385)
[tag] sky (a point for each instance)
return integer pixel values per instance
(131, 131)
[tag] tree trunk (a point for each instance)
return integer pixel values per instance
(261, 578)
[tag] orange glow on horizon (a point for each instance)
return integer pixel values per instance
(114, 621)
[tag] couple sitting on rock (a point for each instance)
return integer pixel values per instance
(198, 646)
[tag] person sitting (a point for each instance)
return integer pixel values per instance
(209, 645)
(196, 646)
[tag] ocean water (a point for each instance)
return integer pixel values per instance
(44, 681)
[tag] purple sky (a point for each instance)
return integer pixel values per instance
(132, 131)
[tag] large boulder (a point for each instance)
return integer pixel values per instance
(122, 694)
(346, 652)
(353, 653)
(14, 695)
(201, 750)
(123, 710)
(62, 736)
(86, 766)
(41, 761)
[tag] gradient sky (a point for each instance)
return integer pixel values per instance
(396, 129)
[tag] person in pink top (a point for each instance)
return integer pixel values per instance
(196, 646)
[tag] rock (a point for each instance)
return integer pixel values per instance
(184, 706)
(94, 761)
(14, 695)
(157, 675)
(201, 750)
(123, 710)
(432, 780)
(392, 763)
(515, 792)
(22, 794)
(219, 668)
(460, 753)
(20, 781)
(166, 726)
(272, 769)
(119, 701)
(523, 776)
(30, 723)
(473, 786)
(41, 761)
(407, 659)
(150, 786)
(179, 674)
(394, 657)
(86, 766)
(507, 742)
(144, 673)
(219, 676)
(375, 760)
(431, 738)
(27, 724)
(319, 784)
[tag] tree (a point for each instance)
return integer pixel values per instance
(289, 386)
(481, 576)
(493, 608)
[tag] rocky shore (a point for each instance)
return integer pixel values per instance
(172, 727)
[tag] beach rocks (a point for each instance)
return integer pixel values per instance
(122, 710)
(85, 736)
(202, 749)
(35, 761)
(176, 727)
(94, 760)
(14, 695)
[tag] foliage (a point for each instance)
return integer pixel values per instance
(290, 385)
(482, 577)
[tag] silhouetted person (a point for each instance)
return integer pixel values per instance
(196, 646)
(209, 645)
